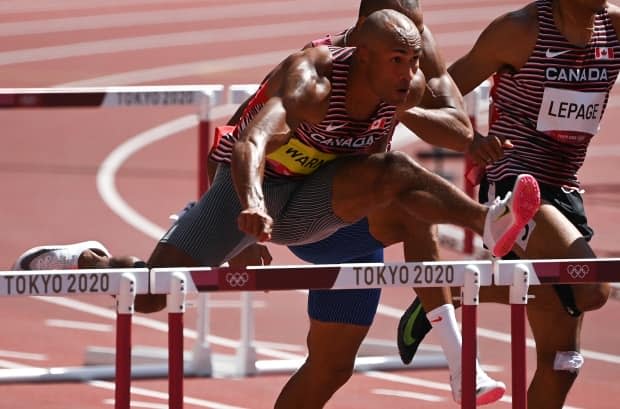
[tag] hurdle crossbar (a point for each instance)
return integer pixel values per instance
(177, 282)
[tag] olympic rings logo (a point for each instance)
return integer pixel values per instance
(578, 270)
(237, 279)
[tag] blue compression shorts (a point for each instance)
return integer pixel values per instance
(350, 244)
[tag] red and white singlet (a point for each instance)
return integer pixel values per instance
(552, 107)
(312, 145)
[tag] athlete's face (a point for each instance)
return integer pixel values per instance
(393, 65)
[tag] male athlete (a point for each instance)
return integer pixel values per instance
(550, 91)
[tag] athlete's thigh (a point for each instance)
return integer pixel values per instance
(552, 235)
(334, 344)
(389, 225)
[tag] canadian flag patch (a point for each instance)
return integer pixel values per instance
(377, 124)
(603, 53)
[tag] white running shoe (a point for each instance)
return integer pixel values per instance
(488, 390)
(507, 217)
(59, 257)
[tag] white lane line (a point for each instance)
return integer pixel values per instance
(229, 12)
(22, 355)
(408, 395)
(106, 184)
(21, 6)
(159, 41)
(169, 72)
(173, 17)
(164, 396)
(81, 325)
(157, 325)
(137, 404)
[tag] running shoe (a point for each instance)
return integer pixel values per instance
(488, 390)
(56, 257)
(412, 328)
(507, 217)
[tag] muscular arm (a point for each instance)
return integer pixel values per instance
(496, 50)
(505, 45)
(440, 119)
(295, 92)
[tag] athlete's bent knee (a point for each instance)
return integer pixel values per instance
(570, 361)
(331, 376)
(400, 170)
(593, 297)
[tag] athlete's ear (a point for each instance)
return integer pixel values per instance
(363, 53)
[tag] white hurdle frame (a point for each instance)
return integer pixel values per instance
(176, 282)
(122, 283)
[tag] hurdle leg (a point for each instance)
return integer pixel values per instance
(246, 353)
(469, 299)
(518, 304)
(124, 310)
(176, 309)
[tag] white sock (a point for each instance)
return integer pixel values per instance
(443, 320)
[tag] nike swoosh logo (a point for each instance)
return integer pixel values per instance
(332, 127)
(407, 338)
(553, 54)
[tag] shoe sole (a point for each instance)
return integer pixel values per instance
(525, 204)
(29, 255)
(490, 396)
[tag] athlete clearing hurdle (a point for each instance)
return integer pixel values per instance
(336, 108)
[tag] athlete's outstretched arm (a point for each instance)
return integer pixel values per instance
(295, 92)
(441, 118)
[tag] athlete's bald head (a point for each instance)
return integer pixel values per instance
(410, 8)
(389, 28)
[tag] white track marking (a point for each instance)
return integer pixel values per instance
(136, 404)
(106, 174)
(408, 395)
(229, 12)
(22, 355)
(169, 72)
(150, 323)
(81, 325)
(164, 396)
(159, 41)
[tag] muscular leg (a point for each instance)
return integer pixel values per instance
(339, 321)
(553, 237)
(361, 186)
(332, 349)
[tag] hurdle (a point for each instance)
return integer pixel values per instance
(176, 283)
(207, 101)
(520, 274)
(122, 283)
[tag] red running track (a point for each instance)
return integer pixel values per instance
(49, 160)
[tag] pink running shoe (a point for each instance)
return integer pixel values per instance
(507, 217)
(56, 257)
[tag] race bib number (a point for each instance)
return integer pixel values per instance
(570, 116)
(297, 158)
